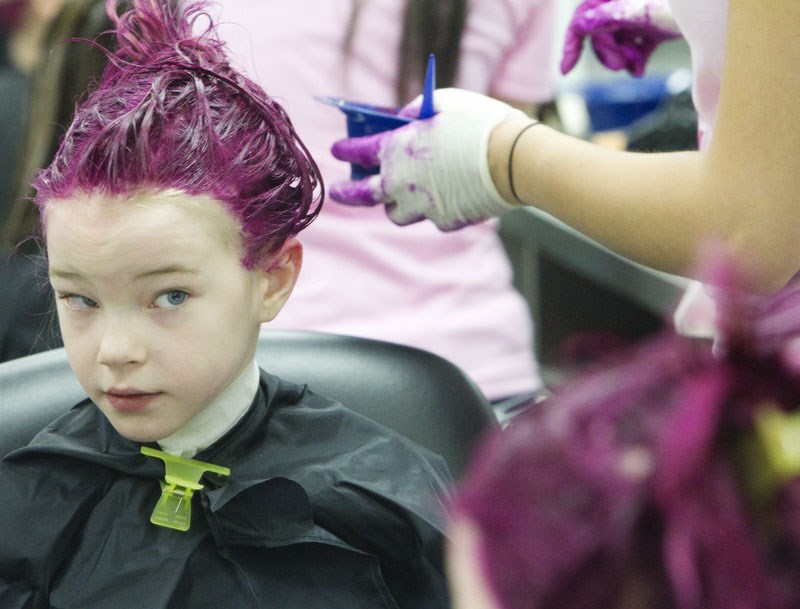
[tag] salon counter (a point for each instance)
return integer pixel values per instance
(573, 284)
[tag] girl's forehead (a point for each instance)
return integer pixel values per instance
(110, 240)
(174, 211)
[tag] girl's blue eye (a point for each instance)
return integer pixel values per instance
(75, 301)
(171, 299)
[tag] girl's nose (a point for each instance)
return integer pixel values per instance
(119, 344)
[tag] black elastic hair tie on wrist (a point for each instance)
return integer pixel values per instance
(511, 160)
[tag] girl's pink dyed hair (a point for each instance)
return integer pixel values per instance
(633, 474)
(170, 113)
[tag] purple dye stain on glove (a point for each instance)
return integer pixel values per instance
(418, 152)
(357, 193)
(362, 151)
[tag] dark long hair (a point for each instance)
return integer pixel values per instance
(59, 83)
(429, 26)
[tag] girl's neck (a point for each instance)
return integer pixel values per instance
(216, 419)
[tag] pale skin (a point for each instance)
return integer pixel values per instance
(157, 313)
(26, 42)
(658, 208)
(468, 587)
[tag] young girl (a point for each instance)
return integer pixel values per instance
(169, 216)
(667, 479)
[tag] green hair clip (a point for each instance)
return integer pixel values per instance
(779, 433)
(769, 455)
(182, 479)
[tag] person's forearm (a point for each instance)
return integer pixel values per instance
(612, 197)
(658, 209)
(654, 208)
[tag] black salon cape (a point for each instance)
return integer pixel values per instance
(323, 509)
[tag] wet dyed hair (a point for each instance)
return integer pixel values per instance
(169, 112)
(642, 483)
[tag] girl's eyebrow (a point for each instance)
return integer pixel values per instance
(175, 269)
(61, 274)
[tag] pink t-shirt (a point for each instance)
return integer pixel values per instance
(449, 293)
(703, 24)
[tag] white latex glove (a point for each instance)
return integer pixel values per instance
(435, 168)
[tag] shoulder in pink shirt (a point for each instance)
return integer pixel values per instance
(449, 293)
(703, 24)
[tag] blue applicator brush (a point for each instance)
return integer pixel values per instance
(367, 119)
(426, 111)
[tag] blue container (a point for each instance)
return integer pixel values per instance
(615, 104)
(366, 119)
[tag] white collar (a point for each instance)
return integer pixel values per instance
(216, 419)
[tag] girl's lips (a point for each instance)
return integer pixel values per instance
(130, 401)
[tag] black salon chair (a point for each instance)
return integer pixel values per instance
(416, 393)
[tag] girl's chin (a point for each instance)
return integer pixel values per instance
(140, 433)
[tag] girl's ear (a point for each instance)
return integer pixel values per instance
(278, 278)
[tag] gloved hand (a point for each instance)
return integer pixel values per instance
(435, 168)
(624, 33)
